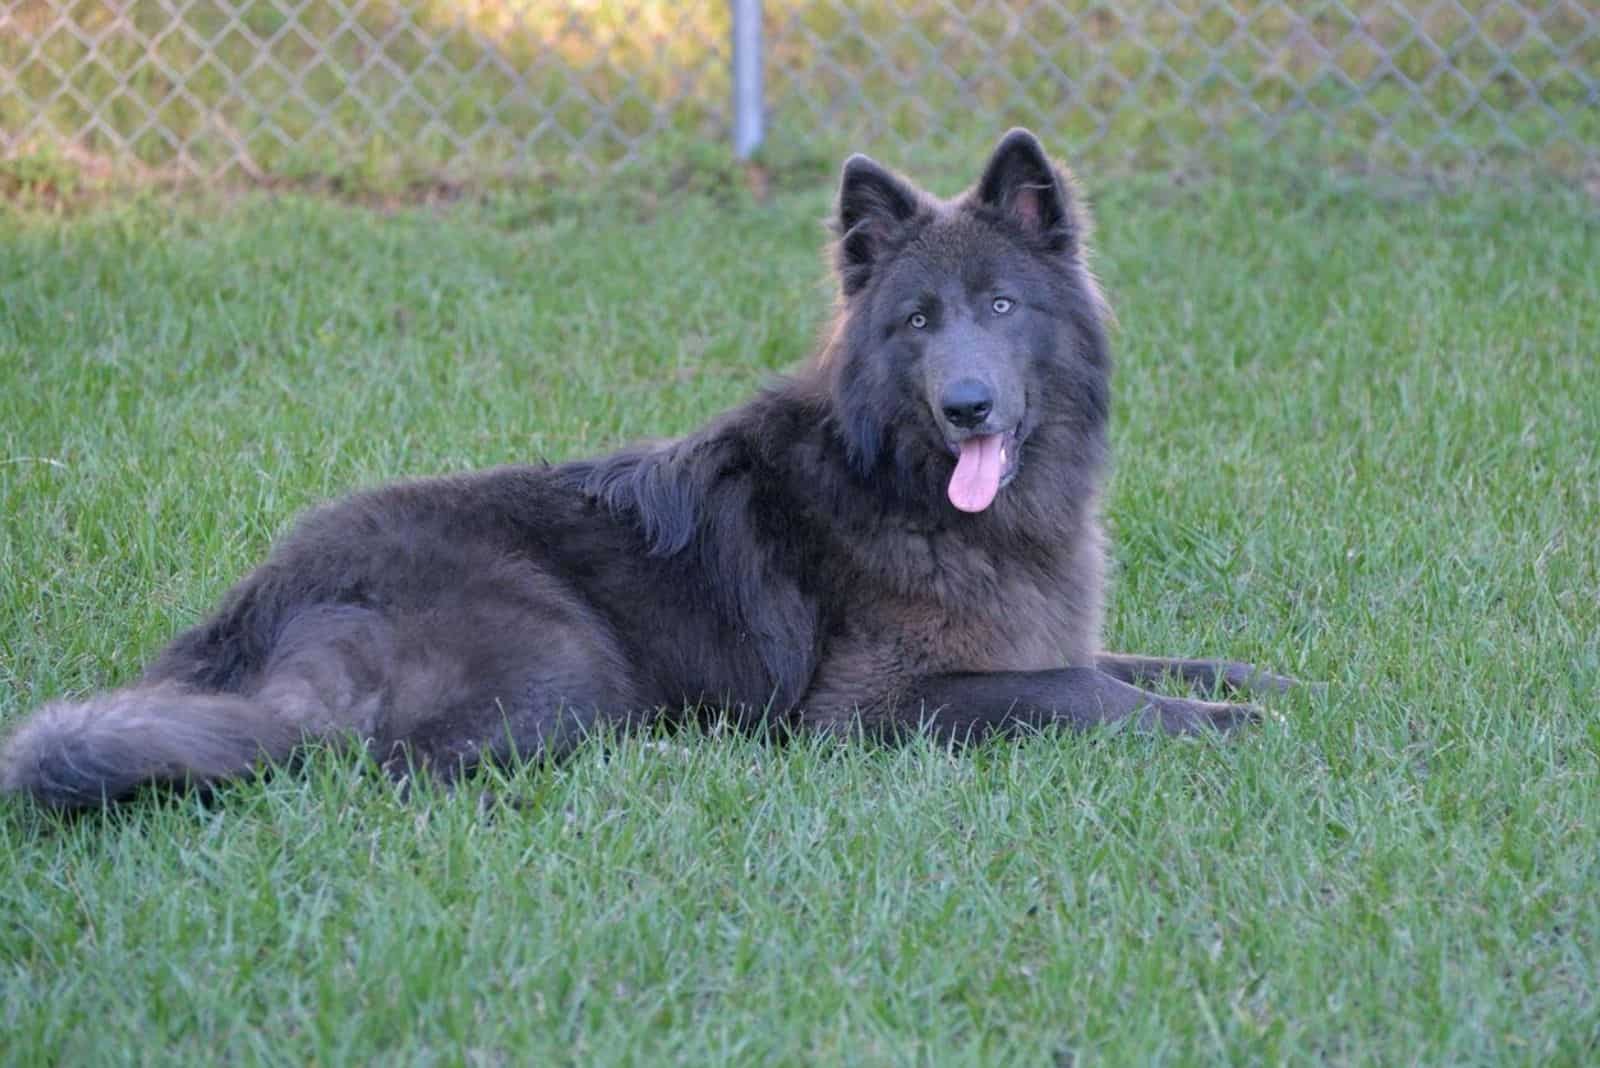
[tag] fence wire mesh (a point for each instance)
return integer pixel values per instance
(263, 88)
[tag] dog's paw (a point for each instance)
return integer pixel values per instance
(1247, 678)
(1202, 717)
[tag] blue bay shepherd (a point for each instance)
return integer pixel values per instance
(902, 536)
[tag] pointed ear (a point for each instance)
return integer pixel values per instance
(1021, 183)
(873, 204)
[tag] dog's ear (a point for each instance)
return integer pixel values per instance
(1022, 184)
(873, 205)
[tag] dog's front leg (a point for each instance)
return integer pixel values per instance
(1203, 675)
(964, 707)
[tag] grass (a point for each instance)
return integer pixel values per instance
(395, 91)
(1357, 440)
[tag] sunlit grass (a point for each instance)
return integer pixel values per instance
(1356, 441)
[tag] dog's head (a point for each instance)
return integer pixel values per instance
(970, 328)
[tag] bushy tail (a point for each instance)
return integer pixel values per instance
(86, 754)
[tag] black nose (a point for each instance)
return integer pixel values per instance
(966, 402)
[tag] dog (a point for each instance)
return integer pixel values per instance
(901, 537)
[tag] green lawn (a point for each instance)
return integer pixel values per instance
(1357, 442)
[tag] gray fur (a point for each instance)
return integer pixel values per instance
(795, 561)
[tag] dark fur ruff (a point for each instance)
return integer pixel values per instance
(796, 558)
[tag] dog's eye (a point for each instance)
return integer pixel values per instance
(918, 321)
(1001, 305)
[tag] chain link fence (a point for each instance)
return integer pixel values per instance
(265, 89)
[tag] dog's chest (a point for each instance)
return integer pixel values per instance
(978, 611)
(938, 600)
(1027, 623)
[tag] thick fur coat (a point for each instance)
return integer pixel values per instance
(904, 535)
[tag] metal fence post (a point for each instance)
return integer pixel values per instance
(748, 121)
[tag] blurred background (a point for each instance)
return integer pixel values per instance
(377, 91)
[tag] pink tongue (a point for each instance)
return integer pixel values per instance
(977, 476)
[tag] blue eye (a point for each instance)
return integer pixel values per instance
(1001, 305)
(918, 321)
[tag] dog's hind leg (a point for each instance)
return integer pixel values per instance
(332, 675)
(510, 672)
(495, 730)
(1205, 676)
(443, 691)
